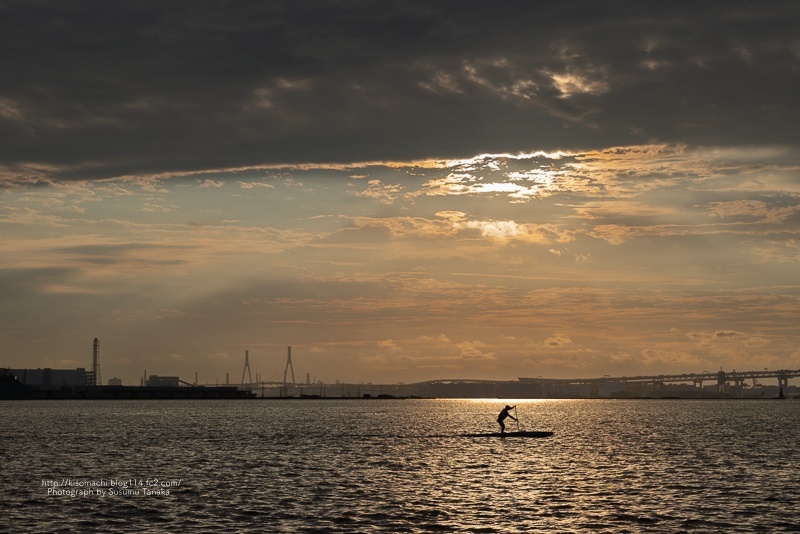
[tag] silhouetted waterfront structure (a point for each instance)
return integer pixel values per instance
(11, 388)
(50, 379)
(693, 386)
(155, 381)
(247, 368)
(94, 378)
(77, 383)
(285, 371)
(723, 384)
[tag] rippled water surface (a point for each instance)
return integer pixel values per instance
(399, 466)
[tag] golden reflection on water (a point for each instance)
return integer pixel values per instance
(403, 465)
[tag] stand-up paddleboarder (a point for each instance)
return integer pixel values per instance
(503, 414)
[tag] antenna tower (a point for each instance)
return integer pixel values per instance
(247, 368)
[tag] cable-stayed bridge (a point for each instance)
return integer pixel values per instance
(767, 383)
(724, 383)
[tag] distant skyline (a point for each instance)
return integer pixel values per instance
(401, 191)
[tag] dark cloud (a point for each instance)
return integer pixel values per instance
(19, 284)
(100, 89)
(728, 333)
(123, 254)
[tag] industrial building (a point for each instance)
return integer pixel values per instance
(82, 384)
(49, 379)
(155, 381)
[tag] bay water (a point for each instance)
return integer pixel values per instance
(399, 465)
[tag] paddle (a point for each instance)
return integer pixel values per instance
(516, 417)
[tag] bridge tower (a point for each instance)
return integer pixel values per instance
(738, 387)
(721, 377)
(247, 368)
(783, 382)
(286, 370)
(288, 365)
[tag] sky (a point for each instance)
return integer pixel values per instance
(401, 191)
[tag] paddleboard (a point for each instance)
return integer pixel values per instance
(520, 434)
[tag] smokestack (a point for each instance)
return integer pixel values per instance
(96, 362)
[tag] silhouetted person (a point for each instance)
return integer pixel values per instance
(503, 414)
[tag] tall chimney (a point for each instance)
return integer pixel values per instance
(96, 362)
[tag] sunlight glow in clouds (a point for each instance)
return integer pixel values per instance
(399, 197)
(214, 272)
